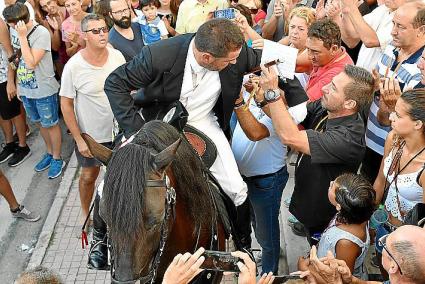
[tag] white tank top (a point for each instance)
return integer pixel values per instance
(409, 191)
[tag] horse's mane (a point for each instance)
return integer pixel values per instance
(125, 181)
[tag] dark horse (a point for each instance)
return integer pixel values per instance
(148, 222)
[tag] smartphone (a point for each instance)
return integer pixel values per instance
(283, 278)
(229, 14)
(220, 261)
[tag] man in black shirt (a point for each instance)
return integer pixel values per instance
(124, 35)
(331, 144)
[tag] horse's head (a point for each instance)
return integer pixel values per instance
(134, 202)
(137, 205)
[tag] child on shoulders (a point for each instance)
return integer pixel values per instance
(152, 27)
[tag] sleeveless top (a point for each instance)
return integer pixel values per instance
(409, 191)
(331, 237)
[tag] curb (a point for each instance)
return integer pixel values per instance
(54, 212)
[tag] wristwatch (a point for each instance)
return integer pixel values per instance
(272, 95)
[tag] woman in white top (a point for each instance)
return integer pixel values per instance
(401, 176)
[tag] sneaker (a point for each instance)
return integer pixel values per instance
(44, 163)
(25, 214)
(8, 151)
(20, 155)
(56, 167)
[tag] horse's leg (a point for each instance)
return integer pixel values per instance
(98, 255)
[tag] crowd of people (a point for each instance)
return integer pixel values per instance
(354, 114)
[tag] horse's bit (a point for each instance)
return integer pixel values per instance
(170, 199)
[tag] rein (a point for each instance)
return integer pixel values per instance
(170, 202)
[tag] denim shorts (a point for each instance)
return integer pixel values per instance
(44, 110)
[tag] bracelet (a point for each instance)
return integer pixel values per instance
(261, 104)
(239, 105)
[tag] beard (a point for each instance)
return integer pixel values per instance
(124, 22)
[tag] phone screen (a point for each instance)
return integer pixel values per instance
(225, 14)
(283, 278)
(220, 261)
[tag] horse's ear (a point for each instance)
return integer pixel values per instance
(98, 151)
(163, 159)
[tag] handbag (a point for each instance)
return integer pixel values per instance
(416, 216)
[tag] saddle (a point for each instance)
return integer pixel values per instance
(202, 144)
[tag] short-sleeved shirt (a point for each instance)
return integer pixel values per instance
(321, 76)
(408, 75)
(39, 82)
(337, 146)
(92, 108)
(128, 48)
(267, 155)
(193, 14)
(381, 21)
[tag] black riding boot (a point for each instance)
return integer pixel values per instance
(243, 224)
(98, 255)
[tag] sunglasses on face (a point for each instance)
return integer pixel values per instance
(383, 243)
(97, 31)
(254, 11)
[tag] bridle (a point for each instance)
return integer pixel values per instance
(170, 203)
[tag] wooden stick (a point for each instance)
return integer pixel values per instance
(268, 64)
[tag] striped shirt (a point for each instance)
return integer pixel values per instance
(408, 75)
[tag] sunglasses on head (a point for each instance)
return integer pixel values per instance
(97, 31)
(383, 243)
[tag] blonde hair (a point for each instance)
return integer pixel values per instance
(258, 4)
(306, 13)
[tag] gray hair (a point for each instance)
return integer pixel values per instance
(90, 17)
(39, 275)
(410, 261)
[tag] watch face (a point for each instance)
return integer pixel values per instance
(270, 95)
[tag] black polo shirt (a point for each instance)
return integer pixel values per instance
(337, 146)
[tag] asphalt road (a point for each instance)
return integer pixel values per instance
(37, 193)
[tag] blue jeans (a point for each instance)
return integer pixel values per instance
(44, 110)
(265, 194)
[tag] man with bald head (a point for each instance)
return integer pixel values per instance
(403, 257)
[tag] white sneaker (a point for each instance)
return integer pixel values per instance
(25, 214)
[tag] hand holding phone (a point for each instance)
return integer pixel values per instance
(220, 261)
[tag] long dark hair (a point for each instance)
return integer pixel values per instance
(126, 175)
